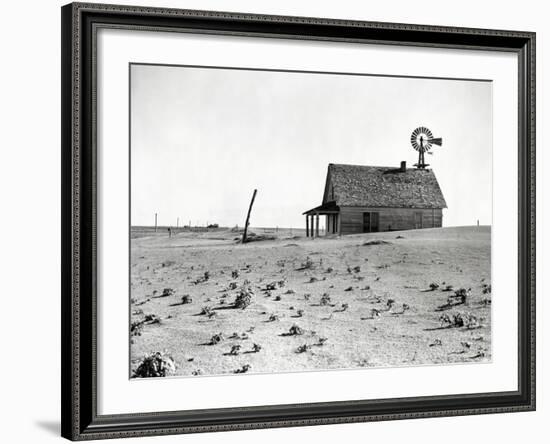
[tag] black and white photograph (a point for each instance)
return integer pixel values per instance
(275, 221)
(290, 221)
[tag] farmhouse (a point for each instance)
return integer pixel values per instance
(365, 199)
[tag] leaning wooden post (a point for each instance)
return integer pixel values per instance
(248, 216)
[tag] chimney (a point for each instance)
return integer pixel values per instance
(403, 166)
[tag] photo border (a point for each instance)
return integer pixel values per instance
(248, 69)
(80, 22)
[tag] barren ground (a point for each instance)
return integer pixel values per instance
(365, 332)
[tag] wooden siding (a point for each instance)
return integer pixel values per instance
(390, 219)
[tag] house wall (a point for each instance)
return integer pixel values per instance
(390, 219)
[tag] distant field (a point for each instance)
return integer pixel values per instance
(145, 231)
(355, 305)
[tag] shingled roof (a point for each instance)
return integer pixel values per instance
(372, 186)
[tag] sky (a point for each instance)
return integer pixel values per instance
(202, 139)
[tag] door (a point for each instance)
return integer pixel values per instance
(417, 220)
(374, 222)
(366, 222)
(370, 222)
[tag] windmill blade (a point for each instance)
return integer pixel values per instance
(437, 141)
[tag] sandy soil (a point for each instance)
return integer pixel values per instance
(358, 326)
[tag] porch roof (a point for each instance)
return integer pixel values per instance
(326, 208)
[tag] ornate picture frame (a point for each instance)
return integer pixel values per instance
(80, 389)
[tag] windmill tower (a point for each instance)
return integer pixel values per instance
(422, 141)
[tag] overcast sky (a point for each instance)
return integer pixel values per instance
(202, 139)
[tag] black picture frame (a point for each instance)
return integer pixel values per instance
(79, 391)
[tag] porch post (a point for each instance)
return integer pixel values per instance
(339, 216)
(317, 224)
(307, 225)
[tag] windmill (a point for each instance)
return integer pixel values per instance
(422, 140)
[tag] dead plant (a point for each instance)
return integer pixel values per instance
(243, 369)
(216, 339)
(244, 298)
(295, 330)
(156, 364)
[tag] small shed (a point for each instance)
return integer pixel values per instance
(365, 199)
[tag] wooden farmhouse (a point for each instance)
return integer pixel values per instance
(366, 199)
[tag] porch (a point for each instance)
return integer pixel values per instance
(332, 213)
